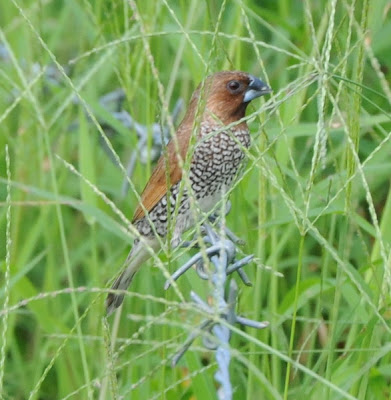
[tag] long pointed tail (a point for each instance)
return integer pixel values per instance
(137, 256)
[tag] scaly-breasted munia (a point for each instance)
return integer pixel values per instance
(220, 102)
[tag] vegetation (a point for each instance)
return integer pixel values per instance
(314, 203)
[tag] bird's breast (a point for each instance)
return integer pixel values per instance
(216, 160)
(219, 150)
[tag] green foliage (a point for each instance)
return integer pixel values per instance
(314, 203)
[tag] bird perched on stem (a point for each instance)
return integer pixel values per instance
(215, 112)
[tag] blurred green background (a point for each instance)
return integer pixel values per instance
(314, 204)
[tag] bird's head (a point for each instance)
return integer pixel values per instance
(225, 95)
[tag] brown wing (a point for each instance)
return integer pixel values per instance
(157, 185)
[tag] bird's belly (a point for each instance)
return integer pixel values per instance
(208, 202)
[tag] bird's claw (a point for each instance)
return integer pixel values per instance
(218, 246)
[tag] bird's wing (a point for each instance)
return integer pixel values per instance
(158, 183)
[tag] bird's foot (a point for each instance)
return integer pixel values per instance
(175, 242)
(217, 247)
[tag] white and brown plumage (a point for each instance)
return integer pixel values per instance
(213, 167)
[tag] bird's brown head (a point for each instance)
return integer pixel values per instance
(225, 95)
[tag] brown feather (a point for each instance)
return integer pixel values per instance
(156, 187)
(219, 108)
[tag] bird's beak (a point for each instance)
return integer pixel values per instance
(256, 88)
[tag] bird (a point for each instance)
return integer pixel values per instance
(215, 114)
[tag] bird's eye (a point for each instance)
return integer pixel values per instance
(233, 86)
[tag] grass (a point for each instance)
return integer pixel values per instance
(313, 205)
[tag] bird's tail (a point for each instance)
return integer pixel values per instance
(137, 256)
